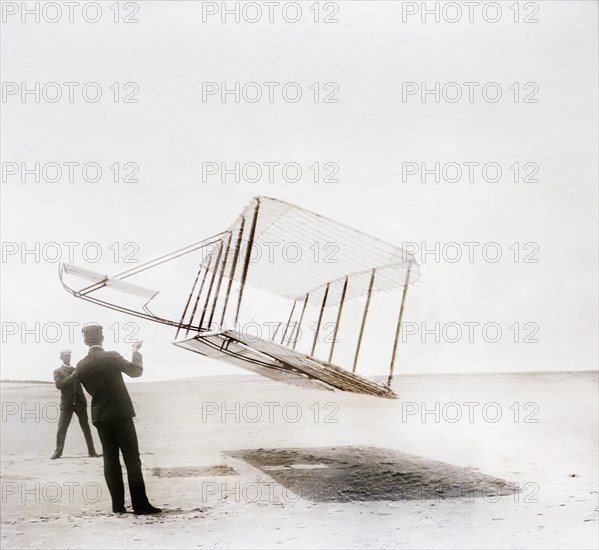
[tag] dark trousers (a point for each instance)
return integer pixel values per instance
(120, 435)
(63, 425)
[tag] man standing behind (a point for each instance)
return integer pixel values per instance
(72, 400)
(100, 373)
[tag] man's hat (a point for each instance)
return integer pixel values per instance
(65, 351)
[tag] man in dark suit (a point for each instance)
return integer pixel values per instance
(72, 400)
(100, 373)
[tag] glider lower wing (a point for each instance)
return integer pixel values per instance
(280, 362)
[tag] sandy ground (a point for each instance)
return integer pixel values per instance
(504, 461)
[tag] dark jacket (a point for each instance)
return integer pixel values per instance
(71, 393)
(100, 373)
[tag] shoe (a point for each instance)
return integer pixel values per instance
(122, 510)
(55, 456)
(94, 455)
(148, 510)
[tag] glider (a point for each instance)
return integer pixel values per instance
(238, 261)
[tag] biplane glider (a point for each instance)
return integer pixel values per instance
(230, 266)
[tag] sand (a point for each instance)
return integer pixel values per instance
(245, 462)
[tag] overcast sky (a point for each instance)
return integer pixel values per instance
(368, 134)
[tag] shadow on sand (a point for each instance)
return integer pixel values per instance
(349, 474)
